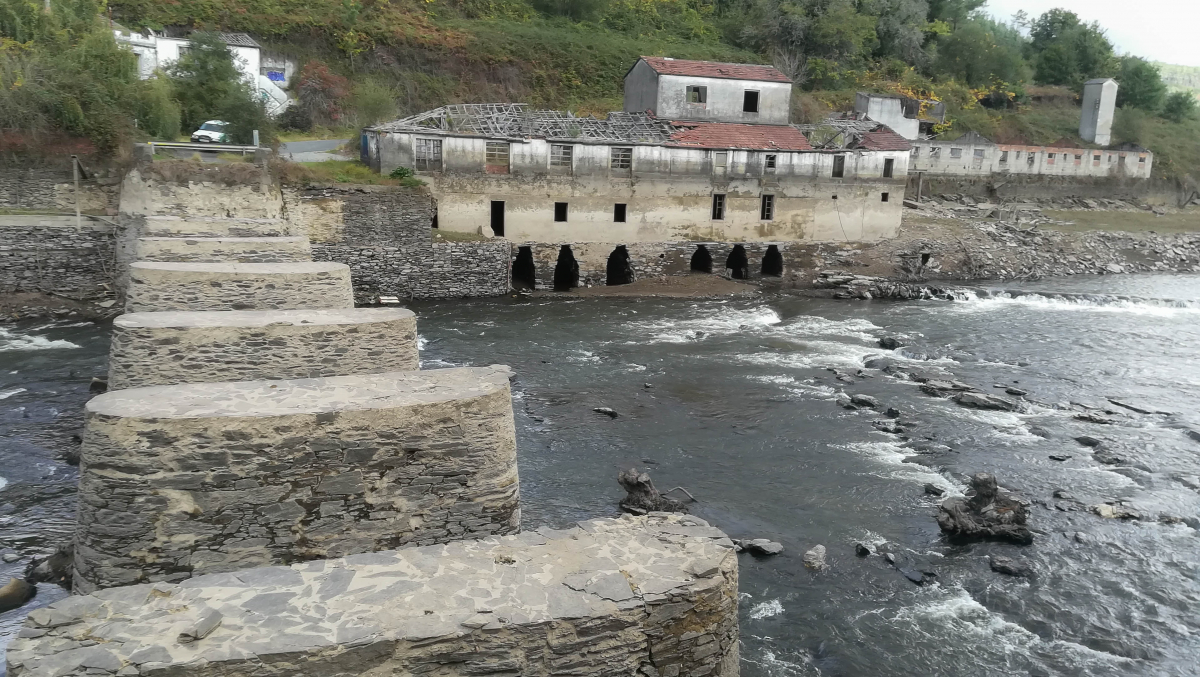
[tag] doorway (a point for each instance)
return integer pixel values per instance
(498, 218)
(524, 273)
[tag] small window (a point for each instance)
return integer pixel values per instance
(429, 155)
(839, 166)
(1029, 159)
(1050, 159)
(1121, 160)
(1064, 157)
(979, 152)
(1110, 159)
(1141, 160)
(955, 152)
(560, 212)
(561, 155)
(884, 198)
(750, 101)
(769, 164)
(766, 211)
(889, 168)
(496, 158)
(1096, 158)
(1078, 159)
(718, 207)
(697, 94)
(1003, 157)
(721, 159)
(618, 213)
(935, 152)
(621, 158)
(916, 151)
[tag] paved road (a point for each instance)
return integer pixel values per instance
(312, 151)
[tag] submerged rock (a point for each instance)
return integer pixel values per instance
(982, 401)
(989, 514)
(934, 490)
(864, 401)
(642, 496)
(890, 343)
(861, 550)
(53, 569)
(1008, 566)
(760, 546)
(16, 594)
(606, 411)
(815, 558)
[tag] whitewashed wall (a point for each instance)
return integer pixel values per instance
(985, 159)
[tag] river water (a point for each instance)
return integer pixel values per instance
(735, 401)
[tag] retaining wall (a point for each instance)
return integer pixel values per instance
(1008, 187)
(653, 595)
(654, 259)
(211, 477)
(50, 253)
(52, 188)
(195, 189)
(223, 249)
(244, 345)
(159, 286)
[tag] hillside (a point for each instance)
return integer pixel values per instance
(1180, 78)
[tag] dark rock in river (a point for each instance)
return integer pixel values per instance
(606, 411)
(1088, 441)
(1107, 457)
(890, 343)
(982, 401)
(934, 490)
(1060, 457)
(883, 363)
(815, 558)
(759, 546)
(861, 550)
(16, 594)
(1008, 566)
(53, 569)
(642, 496)
(989, 514)
(98, 385)
(864, 401)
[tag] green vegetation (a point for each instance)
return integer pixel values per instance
(332, 171)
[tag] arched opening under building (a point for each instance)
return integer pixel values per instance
(772, 262)
(702, 260)
(566, 270)
(524, 273)
(738, 263)
(619, 270)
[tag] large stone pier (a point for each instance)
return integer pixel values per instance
(638, 596)
(159, 286)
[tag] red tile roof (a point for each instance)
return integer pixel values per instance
(713, 69)
(883, 138)
(728, 135)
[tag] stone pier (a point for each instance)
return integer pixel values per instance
(223, 249)
(159, 286)
(246, 345)
(176, 226)
(639, 596)
(177, 481)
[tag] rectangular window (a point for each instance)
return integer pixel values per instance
(1050, 159)
(1121, 160)
(884, 198)
(1141, 161)
(769, 164)
(561, 155)
(697, 94)
(1029, 159)
(1003, 157)
(889, 168)
(621, 158)
(955, 152)
(1078, 159)
(750, 101)
(839, 166)
(916, 151)
(496, 157)
(767, 210)
(1096, 158)
(429, 155)
(721, 159)
(718, 208)
(1110, 159)
(560, 212)
(935, 152)
(618, 213)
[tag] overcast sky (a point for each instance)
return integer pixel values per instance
(1159, 30)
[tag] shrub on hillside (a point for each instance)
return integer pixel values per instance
(322, 93)
(295, 119)
(1179, 106)
(373, 102)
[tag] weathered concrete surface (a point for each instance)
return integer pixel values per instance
(201, 478)
(196, 226)
(223, 249)
(244, 345)
(652, 595)
(159, 286)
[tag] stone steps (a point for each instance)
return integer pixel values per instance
(651, 595)
(161, 286)
(198, 478)
(245, 345)
(223, 249)
(178, 226)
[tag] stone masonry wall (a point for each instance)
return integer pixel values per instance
(212, 477)
(243, 345)
(52, 188)
(158, 286)
(49, 253)
(636, 596)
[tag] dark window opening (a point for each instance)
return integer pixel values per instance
(750, 102)
(884, 198)
(498, 218)
(496, 157)
(524, 274)
(772, 262)
(767, 209)
(718, 206)
(697, 94)
(621, 158)
(435, 215)
(560, 212)
(619, 270)
(769, 164)
(429, 155)
(702, 260)
(566, 270)
(738, 263)
(618, 213)
(889, 168)
(839, 166)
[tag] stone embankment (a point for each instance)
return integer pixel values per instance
(215, 452)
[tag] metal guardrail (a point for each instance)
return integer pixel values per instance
(209, 147)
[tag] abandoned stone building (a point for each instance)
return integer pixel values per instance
(975, 155)
(702, 161)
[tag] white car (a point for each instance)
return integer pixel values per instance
(212, 131)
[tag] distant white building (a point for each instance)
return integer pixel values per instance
(268, 76)
(1099, 104)
(975, 155)
(908, 117)
(706, 91)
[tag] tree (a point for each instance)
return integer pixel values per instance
(982, 52)
(1179, 106)
(322, 93)
(208, 86)
(1067, 51)
(1141, 85)
(1129, 126)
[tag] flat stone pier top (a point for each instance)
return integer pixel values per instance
(244, 345)
(649, 595)
(224, 249)
(215, 227)
(159, 285)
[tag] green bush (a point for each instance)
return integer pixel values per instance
(373, 102)
(1179, 106)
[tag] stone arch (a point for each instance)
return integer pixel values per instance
(772, 262)
(619, 270)
(701, 260)
(524, 273)
(566, 270)
(738, 263)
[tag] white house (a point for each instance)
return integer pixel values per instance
(678, 89)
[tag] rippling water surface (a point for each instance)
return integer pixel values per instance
(734, 400)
